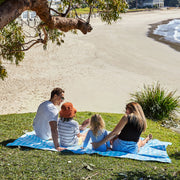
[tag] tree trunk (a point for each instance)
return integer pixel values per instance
(10, 10)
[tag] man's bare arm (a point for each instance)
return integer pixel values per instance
(54, 132)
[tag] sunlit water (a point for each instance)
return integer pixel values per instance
(170, 31)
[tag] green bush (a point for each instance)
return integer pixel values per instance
(157, 103)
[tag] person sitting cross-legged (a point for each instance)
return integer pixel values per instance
(69, 129)
(97, 133)
(125, 137)
(45, 122)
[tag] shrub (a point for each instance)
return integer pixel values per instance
(157, 103)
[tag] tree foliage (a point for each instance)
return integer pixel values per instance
(14, 41)
(11, 37)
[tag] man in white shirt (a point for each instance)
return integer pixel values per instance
(45, 122)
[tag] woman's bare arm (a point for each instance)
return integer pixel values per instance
(114, 133)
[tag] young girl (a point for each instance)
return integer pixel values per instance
(127, 132)
(97, 133)
(69, 129)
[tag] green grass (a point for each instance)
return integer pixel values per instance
(84, 10)
(136, 10)
(26, 163)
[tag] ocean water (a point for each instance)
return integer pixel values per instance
(170, 31)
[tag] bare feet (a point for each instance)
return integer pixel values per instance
(60, 148)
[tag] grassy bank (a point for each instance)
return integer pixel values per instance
(86, 10)
(26, 163)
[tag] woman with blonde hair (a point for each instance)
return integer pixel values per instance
(126, 135)
(97, 133)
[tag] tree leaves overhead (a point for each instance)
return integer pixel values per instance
(14, 40)
(110, 10)
(11, 38)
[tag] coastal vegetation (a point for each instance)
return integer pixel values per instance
(157, 103)
(26, 163)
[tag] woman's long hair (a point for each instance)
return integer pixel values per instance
(137, 116)
(97, 124)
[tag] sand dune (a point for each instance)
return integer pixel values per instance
(99, 70)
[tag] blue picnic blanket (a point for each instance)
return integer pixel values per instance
(154, 150)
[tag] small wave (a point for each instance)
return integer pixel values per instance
(170, 31)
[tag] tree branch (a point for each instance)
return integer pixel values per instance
(66, 24)
(90, 11)
(45, 35)
(43, 41)
(26, 49)
(36, 42)
(10, 10)
(75, 12)
(68, 10)
(60, 14)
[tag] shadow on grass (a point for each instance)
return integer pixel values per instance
(23, 148)
(131, 175)
(176, 155)
(70, 153)
(4, 143)
(66, 153)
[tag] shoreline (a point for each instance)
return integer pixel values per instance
(160, 38)
(98, 71)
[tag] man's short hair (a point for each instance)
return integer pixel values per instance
(57, 91)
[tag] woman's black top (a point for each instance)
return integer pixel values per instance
(130, 132)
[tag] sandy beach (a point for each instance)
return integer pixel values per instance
(98, 71)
